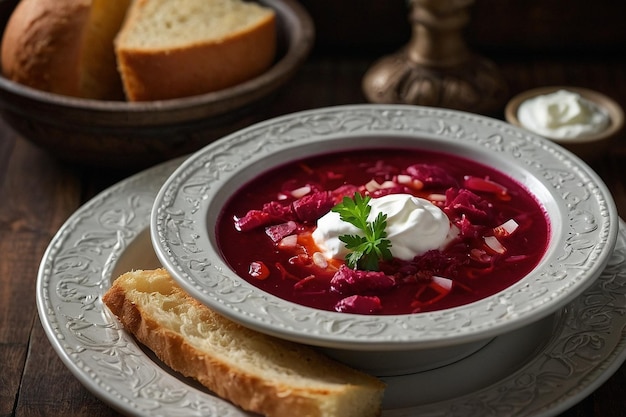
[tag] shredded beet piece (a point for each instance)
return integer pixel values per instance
(278, 231)
(431, 175)
(313, 206)
(346, 190)
(355, 281)
(467, 229)
(279, 212)
(359, 304)
(487, 186)
(252, 220)
(439, 263)
(425, 266)
(271, 213)
(463, 202)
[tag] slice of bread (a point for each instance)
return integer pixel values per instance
(65, 46)
(100, 75)
(257, 372)
(169, 49)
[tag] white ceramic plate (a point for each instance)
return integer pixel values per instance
(584, 223)
(536, 371)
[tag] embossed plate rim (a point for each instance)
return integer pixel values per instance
(184, 211)
(96, 351)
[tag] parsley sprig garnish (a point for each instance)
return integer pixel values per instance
(367, 250)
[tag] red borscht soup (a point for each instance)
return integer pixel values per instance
(500, 232)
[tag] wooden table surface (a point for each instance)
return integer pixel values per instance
(38, 193)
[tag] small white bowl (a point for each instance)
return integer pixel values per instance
(583, 217)
(589, 147)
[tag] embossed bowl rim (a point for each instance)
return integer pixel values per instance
(583, 216)
(610, 106)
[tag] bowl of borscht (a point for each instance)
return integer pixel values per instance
(394, 238)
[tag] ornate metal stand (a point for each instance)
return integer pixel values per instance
(436, 68)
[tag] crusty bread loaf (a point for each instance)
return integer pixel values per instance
(259, 373)
(168, 49)
(163, 49)
(65, 46)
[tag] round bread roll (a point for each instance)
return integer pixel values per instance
(65, 46)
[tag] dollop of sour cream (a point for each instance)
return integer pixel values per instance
(562, 115)
(414, 226)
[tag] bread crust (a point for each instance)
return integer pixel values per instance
(197, 68)
(42, 43)
(248, 388)
(44, 47)
(65, 47)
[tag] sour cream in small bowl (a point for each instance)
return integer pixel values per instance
(581, 120)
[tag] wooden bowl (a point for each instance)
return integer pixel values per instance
(118, 134)
(590, 147)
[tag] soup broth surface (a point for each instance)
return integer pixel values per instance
(264, 231)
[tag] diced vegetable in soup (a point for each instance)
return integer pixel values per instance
(395, 231)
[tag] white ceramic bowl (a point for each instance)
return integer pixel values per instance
(591, 148)
(583, 218)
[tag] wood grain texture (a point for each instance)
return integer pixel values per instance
(532, 26)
